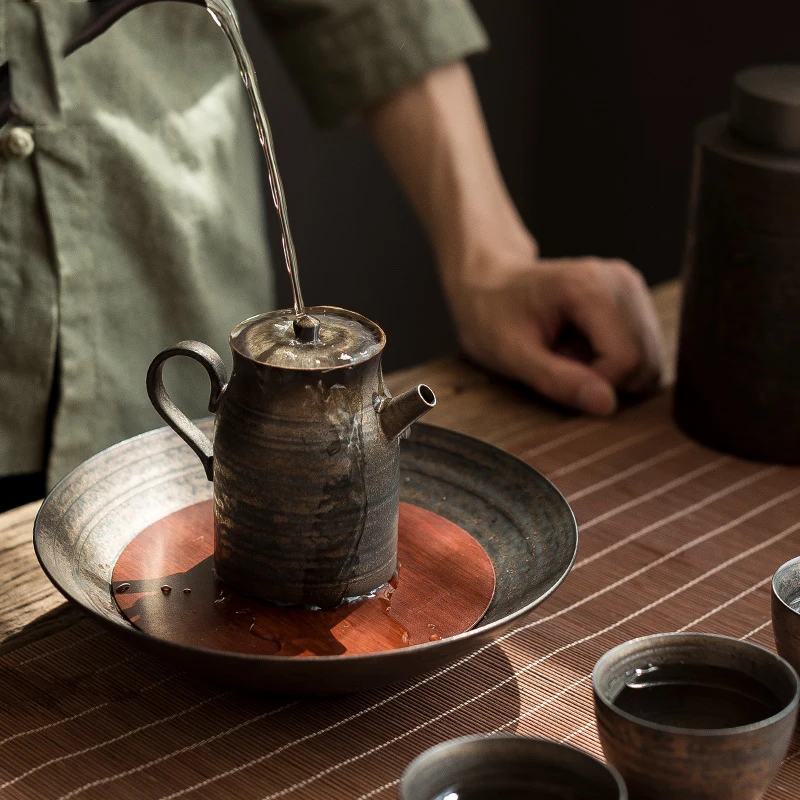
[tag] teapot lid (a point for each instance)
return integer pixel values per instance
(322, 338)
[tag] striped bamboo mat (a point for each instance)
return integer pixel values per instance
(673, 537)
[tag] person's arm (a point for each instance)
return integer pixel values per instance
(510, 306)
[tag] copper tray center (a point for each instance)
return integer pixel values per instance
(444, 586)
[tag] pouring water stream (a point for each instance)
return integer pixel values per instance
(224, 17)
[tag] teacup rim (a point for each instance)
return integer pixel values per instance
(775, 593)
(786, 710)
(481, 737)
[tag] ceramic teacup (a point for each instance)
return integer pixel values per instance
(509, 766)
(786, 611)
(695, 716)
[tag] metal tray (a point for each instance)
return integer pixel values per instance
(518, 516)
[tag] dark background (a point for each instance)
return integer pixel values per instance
(591, 108)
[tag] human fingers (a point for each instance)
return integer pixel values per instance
(604, 299)
(645, 318)
(565, 380)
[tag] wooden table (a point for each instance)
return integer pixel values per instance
(469, 400)
(673, 537)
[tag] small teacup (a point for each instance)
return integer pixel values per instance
(786, 611)
(509, 767)
(692, 715)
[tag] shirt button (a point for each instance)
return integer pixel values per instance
(17, 144)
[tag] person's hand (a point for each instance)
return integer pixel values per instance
(512, 311)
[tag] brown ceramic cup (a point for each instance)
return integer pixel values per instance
(677, 742)
(786, 611)
(509, 766)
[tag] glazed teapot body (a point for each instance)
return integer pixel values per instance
(305, 461)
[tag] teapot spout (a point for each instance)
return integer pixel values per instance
(397, 413)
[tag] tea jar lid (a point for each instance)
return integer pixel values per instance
(323, 338)
(765, 107)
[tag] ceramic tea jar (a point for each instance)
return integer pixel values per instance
(738, 381)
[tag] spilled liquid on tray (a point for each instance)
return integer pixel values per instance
(230, 618)
(696, 696)
(278, 633)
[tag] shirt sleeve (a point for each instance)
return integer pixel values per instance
(345, 55)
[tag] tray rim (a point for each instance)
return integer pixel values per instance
(128, 629)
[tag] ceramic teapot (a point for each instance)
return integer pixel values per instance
(305, 458)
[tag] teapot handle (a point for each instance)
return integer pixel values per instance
(173, 416)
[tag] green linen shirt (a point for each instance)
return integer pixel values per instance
(137, 219)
